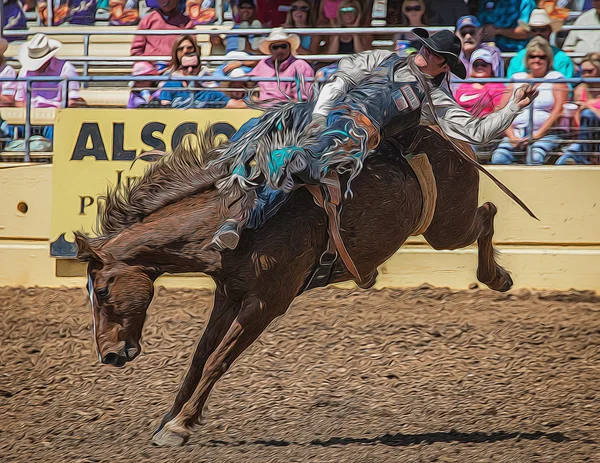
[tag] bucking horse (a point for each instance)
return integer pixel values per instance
(164, 223)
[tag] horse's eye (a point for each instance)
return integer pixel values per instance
(102, 292)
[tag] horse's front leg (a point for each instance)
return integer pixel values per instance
(253, 318)
(223, 313)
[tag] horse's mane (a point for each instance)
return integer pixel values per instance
(174, 176)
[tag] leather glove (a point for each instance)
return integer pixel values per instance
(318, 123)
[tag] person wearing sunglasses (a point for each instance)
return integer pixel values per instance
(545, 132)
(349, 15)
(282, 62)
(301, 14)
(468, 30)
(413, 14)
(541, 25)
(587, 117)
(373, 95)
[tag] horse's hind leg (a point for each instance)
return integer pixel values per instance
(465, 231)
(223, 313)
(253, 318)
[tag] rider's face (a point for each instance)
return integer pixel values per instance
(430, 62)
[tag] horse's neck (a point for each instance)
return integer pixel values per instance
(174, 238)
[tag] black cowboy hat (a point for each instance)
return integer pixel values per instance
(446, 44)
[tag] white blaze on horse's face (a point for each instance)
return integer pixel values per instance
(91, 291)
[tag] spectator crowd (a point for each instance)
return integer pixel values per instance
(562, 127)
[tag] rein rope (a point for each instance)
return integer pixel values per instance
(464, 155)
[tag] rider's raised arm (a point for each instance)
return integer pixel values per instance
(461, 124)
(352, 70)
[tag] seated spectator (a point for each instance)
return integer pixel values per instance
(7, 89)
(349, 15)
(185, 61)
(585, 41)
(587, 97)
(468, 29)
(302, 14)
(283, 63)
(13, 18)
(123, 12)
(547, 109)
(540, 25)
(414, 14)
(167, 16)
(482, 99)
(37, 58)
(245, 18)
(500, 19)
(143, 92)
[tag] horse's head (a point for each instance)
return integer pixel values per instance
(119, 296)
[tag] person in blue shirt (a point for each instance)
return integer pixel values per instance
(501, 22)
(540, 25)
(185, 61)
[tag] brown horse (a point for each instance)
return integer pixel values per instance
(165, 222)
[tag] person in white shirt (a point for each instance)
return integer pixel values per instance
(546, 111)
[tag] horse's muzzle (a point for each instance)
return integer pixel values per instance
(120, 357)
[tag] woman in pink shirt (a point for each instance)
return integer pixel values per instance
(282, 63)
(482, 99)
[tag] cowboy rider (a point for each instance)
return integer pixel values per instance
(395, 95)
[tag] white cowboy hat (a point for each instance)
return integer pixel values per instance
(278, 35)
(36, 52)
(540, 18)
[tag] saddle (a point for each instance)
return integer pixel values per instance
(328, 196)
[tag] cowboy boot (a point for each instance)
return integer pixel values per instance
(227, 236)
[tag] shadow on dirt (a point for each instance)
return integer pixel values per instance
(403, 440)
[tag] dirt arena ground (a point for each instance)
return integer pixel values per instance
(420, 375)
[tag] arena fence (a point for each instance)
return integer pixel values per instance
(64, 82)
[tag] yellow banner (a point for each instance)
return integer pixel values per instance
(94, 149)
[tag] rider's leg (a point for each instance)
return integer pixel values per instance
(268, 202)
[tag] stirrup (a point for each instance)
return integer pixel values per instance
(227, 236)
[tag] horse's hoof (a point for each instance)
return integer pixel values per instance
(166, 437)
(502, 282)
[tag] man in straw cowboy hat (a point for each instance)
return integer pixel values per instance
(38, 58)
(540, 24)
(373, 95)
(282, 62)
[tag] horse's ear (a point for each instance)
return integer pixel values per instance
(85, 250)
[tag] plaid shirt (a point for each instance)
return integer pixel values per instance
(506, 14)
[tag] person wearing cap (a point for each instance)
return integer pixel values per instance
(282, 62)
(478, 98)
(38, 58)
(500, 20)
(142, 92)
(7, 89)
(468, 29)
(375, 95)
(540, 25)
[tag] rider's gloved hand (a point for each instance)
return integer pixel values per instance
(318, 123)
